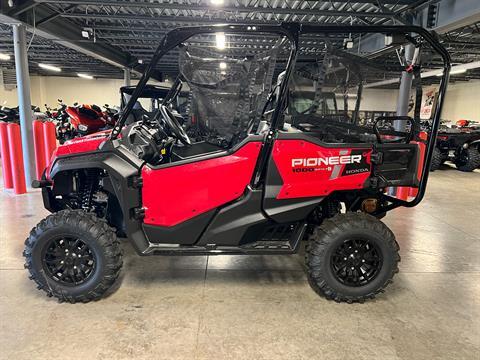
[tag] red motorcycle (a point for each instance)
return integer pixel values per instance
(86, 119)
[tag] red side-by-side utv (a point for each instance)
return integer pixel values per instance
(243, 177)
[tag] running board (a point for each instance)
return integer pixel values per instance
(256, 248)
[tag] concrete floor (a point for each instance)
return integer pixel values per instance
(260, 307)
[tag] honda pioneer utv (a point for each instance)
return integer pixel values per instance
(250, 182)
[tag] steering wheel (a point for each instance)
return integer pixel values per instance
(174, 126)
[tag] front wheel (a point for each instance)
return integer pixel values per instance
(468, 159)
(73, 256)
(351, 257)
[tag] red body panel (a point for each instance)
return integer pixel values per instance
(309, 170)
(178, 193)
(78, 145)
(83, 144)
(76, 118)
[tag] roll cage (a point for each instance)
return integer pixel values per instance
(292, 32)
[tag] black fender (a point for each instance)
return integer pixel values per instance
(475, 143)
(123, 176)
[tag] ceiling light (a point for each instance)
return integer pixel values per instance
(223, 65)
(459, 71)
(348, 43)
(50, 67)
(217, 2)
(220, 40)
(85, 76)
(86, 32)
(4, 56)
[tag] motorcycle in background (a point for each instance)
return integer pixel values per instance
(86, 119)
(111, 115)
(8, 114)
(81, 119)
(63, 128)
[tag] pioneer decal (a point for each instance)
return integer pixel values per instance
(331, 160)
(324, 163)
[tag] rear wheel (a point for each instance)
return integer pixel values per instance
(351, 257)
(73, 256)
(468, 159)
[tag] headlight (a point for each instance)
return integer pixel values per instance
(82, 127)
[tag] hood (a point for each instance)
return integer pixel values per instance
(82, 144)
(77, 146)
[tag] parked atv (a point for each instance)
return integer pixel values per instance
(459, 144)
(252, 185)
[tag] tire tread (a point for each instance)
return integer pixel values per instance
(473, 160)
(103, 234)
(326, 233)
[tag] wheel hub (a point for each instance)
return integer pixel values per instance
(68, 260)
(356, 262)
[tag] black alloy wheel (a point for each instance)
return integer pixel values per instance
(68, 260)
(356, 262)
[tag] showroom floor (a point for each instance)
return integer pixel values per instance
(260, 307)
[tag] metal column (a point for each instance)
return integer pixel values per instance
(404, 91)
(127, 77)
(24, 101)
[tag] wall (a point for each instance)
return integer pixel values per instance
(8, 98)
(461, 102)
(462, 99)
(83, 91)
(47, 90)
(379, 100)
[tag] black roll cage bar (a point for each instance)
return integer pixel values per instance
(293, 31)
